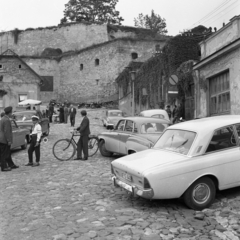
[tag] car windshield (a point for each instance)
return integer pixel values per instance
(179, 141)
(22, 116)
(115, 114)
(151, 127)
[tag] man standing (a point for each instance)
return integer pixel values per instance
(6, 139)
(66, 112)
(51, 111)
(73, 112)
(84, 130)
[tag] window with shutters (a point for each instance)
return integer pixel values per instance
(219, 91)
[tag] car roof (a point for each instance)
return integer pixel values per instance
(114, 110)
(147, 119)
(208, 123)
(27, 111)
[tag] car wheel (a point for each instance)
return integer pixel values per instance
(103, 150)
(200, 194)
(47, 132)
(24, 146)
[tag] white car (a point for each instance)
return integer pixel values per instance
(111, 118)
(190, 160)
(156, 113)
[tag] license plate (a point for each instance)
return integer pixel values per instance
(127, 177)
(125, 186)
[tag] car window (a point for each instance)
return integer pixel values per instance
(135, 128)
(22, 116)
(223, 138)
(129, 126)
(175, 140)
(115, 114)
(158, 116)
(151, 127)
(120, 125)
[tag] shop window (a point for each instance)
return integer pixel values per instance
(97, 62)
(81, 67)
(219, 94)
(134, 55)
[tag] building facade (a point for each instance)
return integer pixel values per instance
(86, 58)
(217, 75)
(17, 81)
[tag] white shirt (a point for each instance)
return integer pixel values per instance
(37, 129)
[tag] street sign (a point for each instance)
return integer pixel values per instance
(173, 80)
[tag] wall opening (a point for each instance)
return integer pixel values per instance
(134, 55)
(81, 67)
(20, 66)
(1, 66)
(97, 62)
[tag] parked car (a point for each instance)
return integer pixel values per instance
(20, 136)
(156, 113)
(111, 118)
(190, 160)
(144, 130)
(24, 119)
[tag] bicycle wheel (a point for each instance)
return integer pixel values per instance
(63, 149)
(92, 146)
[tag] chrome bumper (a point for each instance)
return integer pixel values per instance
(135, 191)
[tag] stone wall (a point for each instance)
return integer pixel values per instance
(80, 85)
(231, 62)
(66, 37)
(17, 81)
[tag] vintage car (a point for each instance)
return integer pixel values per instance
(190, 160)
(111, 118)
(156, 113)
(20, 136)
(143, 130)
(24, 119)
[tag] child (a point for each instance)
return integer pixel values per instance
(35, 142)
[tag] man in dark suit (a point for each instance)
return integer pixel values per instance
(84, 130)
(6, 139)
(72, 112)
(50, 111)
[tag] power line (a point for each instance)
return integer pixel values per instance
(225, 13)
(213, 11)
(222, 10)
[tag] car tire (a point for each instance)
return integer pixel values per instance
(24, 146)
(103, 150)
(200, 194)
(47, 132)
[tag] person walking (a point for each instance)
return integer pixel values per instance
(66, 113)
(169, 112)
(82, 145)
(50, 112)
(6, 140)
(35, 142)
(61, 113)
(73, 113)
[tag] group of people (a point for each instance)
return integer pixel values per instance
(175, 114)
(64, 112)
(6, 139)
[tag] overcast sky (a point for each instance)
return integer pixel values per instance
(179, 14)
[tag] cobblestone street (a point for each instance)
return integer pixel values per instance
(76, 200)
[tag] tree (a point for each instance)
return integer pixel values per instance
(94, 11)
(153, 22)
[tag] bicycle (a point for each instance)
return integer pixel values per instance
(65, 149)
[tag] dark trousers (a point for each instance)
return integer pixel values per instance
(5, 156)
(50, 118)
(72, 120)
(32, 148)
(82, 146)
